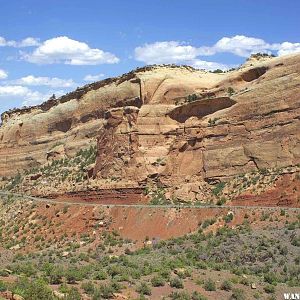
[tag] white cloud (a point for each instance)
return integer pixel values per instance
(20, 93)
(35, 98)
(93, 77)
(241, 45)
(27, 96)
(165, 52)
(3, 74)
(288, 48)
(209, 65)
(71, 52)
(27, 42)
(178, 52)
(175, 52)
(245, 46)
(54, 82)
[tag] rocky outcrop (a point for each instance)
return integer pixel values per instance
(147, 128)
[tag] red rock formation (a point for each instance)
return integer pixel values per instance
(243, 120)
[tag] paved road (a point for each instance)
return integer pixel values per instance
(38, 199)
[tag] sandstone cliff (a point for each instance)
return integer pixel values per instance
(175, 126)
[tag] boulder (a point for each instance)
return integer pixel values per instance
(17, 297)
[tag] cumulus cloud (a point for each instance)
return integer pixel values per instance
(179, 52)
(165, 52)
(288, 48)
(35, 98)
(245, 46)
(209, 65)
(175, 52)
(27, 42)
(25, 94)
(93, 77)
(67, 51)
(54, 82)
(3, 74)
(241, 45)
(19, 92)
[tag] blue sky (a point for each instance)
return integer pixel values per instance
(54, 46)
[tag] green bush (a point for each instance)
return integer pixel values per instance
(191, 98)
(270, 289)
(101, 275)
(143, 289)
(228, 218)
(179, 296)
(105, 291)
(177, 283)
(270, 278)
(218, 188)
(208, 222)
(230, 91)
(73, 294)
(88, 287)
(226, 285)
(221, 201)
(217, 71)
(198, 296)
(238, 294)
(3, 287)
(33, 290)
(157, 281)
(209, 285)
(73, 275)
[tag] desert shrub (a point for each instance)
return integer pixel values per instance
(245, 281)
(269, 289)
(226, 285)
(212, 122)
(221, 201)
(73, 275)
(238, 294)
(218, 188)
(158, 197)
(198, 296)
(3, 287)
(270, 278)
(143, 289)
(176, 282)
(208, 222)
(114, 270)
(295, 242)
(28, 269)
(100, 275)
(73, 294)
(184, 274)
(217, 71)
(209, 285)
(55, 276)
(15, 181)
(230, 91)
(88, 287)
(165, 273)
(33, 290)
(157, 281)
(228, 218)
(179, 296)
(105, 291)
(191, 98)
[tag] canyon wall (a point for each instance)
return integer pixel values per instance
(173, 125)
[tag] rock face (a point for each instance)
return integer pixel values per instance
(147, 126)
